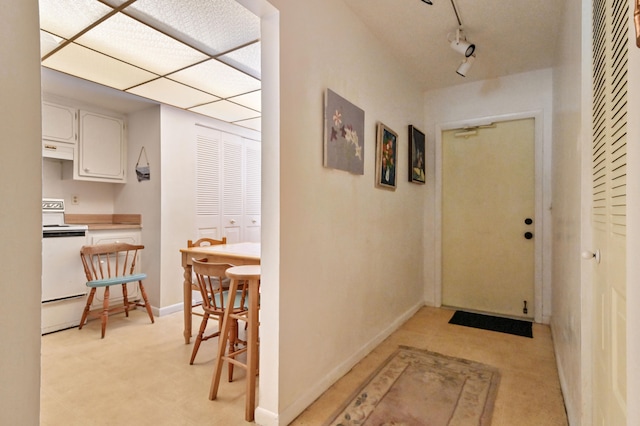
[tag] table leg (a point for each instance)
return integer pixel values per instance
(252, 350)
(187, 303)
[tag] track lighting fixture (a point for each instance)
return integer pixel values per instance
(461, 45)
(465, 65)
(428, 2)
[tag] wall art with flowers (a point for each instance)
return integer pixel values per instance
(343, 134)
(386, 157)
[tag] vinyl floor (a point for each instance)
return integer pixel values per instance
(140, 374)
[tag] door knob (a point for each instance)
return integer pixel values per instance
(591, 255)
(528, 235)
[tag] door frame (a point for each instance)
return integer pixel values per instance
(542, 231)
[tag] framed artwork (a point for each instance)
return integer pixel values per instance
(416, 155)
(343, 134)
(636, 20)
(386, 157)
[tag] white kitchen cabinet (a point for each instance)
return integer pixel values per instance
(228, 189)
(59, 131)
(96, 143)
(101, 154)
(117, 236)
(108, 236)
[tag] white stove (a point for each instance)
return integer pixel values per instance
(53, 217)
(63, 280)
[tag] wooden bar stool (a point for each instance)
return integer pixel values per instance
(249, 276)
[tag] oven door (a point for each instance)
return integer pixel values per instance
(62, 272)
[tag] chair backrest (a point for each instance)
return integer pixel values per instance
(102, 261)
(203, 242)
(209, 277)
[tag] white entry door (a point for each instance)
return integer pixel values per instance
(488, 206)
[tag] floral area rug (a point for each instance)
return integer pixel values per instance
(418, 387)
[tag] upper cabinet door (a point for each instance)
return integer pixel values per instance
(102, 149)
(59, 123)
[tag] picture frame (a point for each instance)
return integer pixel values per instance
(417, 142)
(636, 21)
(386, 157)
(343, 134)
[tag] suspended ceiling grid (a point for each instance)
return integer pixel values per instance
(207, 62)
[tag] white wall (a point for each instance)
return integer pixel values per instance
(143, 130)
(527, 93)
(350, 254)
(94, 197)
(20, 215)
(570, 301)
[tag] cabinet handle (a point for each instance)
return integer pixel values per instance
(232, 221)
(254, 221)
(86, 170)
(52, 147)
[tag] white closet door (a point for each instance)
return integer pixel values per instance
(608, 214)
(232, 187)
(252, 202)
(208, 175)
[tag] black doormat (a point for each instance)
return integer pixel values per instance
(488, 322)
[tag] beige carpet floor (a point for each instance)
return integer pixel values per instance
(140, 374)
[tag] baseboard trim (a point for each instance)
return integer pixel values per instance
(267, 418)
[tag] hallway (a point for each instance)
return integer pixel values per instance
(140, 374)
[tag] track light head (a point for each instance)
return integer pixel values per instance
(466, 65)
(461, 45)
(428, 2)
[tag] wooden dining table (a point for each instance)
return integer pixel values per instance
(235, 254)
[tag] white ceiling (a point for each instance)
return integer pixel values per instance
(222, 40)
(511, 36)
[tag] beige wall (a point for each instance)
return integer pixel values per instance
(569, 314)
(20, 215)
(350, 254)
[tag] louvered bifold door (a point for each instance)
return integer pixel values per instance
(208, 214)
(609, 141)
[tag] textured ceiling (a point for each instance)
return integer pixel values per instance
(214, 65)
(511, 36)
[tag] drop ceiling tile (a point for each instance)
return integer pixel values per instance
(90, 65)
(217, 26)
(115, 3)
(252, 123)
(131, 41)
(172, 93)
(226, 111)
(246, 59)
(48, 42)
(251, 100)
(217, 78)
(66, 18)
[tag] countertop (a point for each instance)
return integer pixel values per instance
(105, 221)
